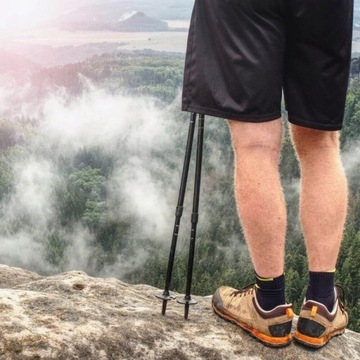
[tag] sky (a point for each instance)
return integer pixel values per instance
(19, 14)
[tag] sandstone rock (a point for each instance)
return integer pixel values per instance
(74, 316)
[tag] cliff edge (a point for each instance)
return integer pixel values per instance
(75, 316)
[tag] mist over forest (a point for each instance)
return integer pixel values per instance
(92, 141)
(91, 158)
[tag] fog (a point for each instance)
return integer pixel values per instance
(146, 140)
(133, 130)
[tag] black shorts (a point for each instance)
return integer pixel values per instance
(242, 54)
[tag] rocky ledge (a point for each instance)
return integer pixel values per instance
(75, 316)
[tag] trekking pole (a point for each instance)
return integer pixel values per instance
(187, 301)
(166, 296)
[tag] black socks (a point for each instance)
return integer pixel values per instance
(270, 292)
(321, 288)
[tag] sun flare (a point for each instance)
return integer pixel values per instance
(18, 14)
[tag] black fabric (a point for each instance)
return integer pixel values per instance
(270, 292)
(321, 288)
(242, 54)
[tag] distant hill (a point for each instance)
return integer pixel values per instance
(140, 22)
(165, 9)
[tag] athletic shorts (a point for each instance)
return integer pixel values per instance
(243, 54)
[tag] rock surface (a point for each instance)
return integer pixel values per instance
(74, 316)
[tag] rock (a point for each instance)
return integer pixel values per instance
(75, 316)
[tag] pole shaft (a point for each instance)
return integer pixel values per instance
(179, 208)
(195, 211)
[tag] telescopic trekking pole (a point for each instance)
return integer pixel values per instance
(187, 301)
(165, 296)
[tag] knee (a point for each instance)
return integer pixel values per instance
(310, 142)
(263, 138)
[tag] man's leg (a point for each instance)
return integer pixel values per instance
(261, 205)
(258, 192)
(323, 205)
(260, 310)
(323, 199)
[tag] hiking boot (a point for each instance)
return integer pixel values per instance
(316, 325)
(240, 307)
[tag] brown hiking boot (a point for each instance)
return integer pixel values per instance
(240, 307)
(316, 325)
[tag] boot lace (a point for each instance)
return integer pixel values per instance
(246, 290)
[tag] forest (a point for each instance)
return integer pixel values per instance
(105, 196)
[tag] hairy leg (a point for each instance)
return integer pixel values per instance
(258, 192)
(323, 197)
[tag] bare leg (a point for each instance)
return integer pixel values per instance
(323, 198)
(258, 193)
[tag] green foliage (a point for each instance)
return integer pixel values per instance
(350, 132)
(136, 73)
(55, 248)
(81, 197)
(6, 177)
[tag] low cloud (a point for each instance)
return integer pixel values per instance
(134, 130)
